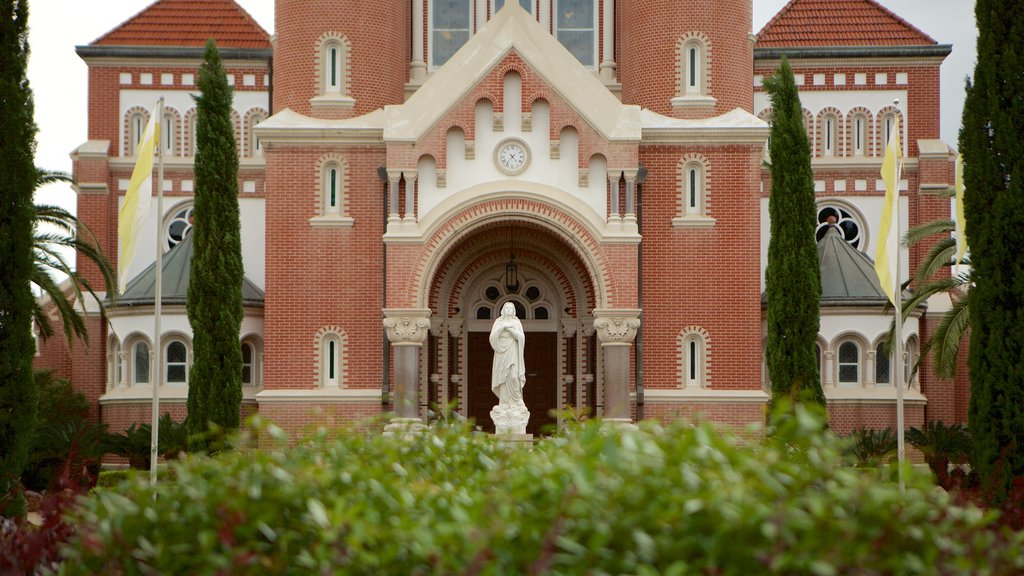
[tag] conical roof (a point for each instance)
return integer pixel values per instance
(177, 269)
(189, 23)
(847, 275)
(805, 23)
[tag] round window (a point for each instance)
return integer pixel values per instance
(179, 227)
(848, 225)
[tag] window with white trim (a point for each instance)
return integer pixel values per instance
(114, 370)
(255, 147)
(576, 29)
(692, 62)
(248, 364)
(692, 353)
(693, 188)
(179, 225)
(693, 193)
(330, 360)
(829, 134)
(140, 362)
(882, 364)
(176, 362)
(136, 126)
(167, 135)
(849, 363)
(860, 134)
(332, 188)
(888, 121)
(451, 24)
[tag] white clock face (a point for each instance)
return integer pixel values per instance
(512, 157)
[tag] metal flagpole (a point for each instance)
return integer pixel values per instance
(157, 300)
(897, 346)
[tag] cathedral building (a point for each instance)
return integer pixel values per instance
(409, 167)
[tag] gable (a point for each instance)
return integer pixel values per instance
(512, 30)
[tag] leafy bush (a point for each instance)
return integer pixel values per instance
(135, 443)
(62, 426)
(871, 448)
(941, 445)
(598, 500)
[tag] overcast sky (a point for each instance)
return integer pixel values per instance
(59, 81)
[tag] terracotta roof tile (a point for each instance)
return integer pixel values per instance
(189, 23)
(838, 23)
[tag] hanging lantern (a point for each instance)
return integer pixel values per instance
(511, 270)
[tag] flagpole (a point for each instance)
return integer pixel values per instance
(157, 301)
(898, 332)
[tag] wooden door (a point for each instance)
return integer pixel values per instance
(540, 392)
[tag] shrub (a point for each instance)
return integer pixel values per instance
(941, 445)
(597, 500)
(62, 425)
(871, 448)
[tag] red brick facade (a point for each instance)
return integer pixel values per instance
(422, 229)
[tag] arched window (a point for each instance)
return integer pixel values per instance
(888, 122)
(190, 132)
(140, 363)
(115, 363)
(829, 134)
(253, 144)
(136, 126)
(692, 63)
(330, 360)
(576, 29)
(693, 347)
(335, 54)
(846, 219)
(849, 363)
(882, 364)
(176, 363)
(167, 128)
(179, 225)
(450, 28)
(860, 134)
(692, 182)
(248, 364)
(332, 188)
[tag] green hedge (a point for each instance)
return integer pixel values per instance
(598, 500)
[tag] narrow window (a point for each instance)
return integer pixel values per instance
(177, 372)
(691, 83)
(247, 365)
(849, 363)
(575, 28)
(331, 360)
(168, 135)
(141, 368)
(333, 82)
(136, 125)
(859, 130)
(333, 178)
(881, 365)
(692, 204)
(889, 121)
(115, 363)
(830, 129)
(693, 361)
(450, 22)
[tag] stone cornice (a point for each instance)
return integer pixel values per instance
(934, 53)
(185, 55)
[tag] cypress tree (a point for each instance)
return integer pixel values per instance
(18, 393)
(990, 140)
(215, 288)
(793, 277)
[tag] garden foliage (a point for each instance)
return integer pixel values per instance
(597, 500)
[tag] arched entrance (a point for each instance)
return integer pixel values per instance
(553, 298)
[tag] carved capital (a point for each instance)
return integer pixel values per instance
(455, 327)
(407, 325)
(616, 326)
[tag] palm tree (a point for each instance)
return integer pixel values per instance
(944, 343)
(64, 232)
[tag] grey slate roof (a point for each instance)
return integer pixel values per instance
(847, 274)
(176, 272)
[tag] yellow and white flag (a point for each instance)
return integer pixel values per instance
(133, 211)
(887, 251)
(961, 220)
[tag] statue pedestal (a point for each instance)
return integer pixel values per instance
(510, 420)
(515, 439)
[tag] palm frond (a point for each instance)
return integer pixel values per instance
(917, 234)
(949, 335)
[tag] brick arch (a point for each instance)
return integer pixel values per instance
(702, 40)
(704, 338)
(189, 129)
(766, 114)
(583, 245)
(319, 71)
(490, 97)
(513, 66)
(869, 118)
(705, 183)
(879, 146)
(176, 118)
(818, 146)
(236, 122)
(534, 250)
(248, 143)
(538, 95)
(126, 126)
(318, 340)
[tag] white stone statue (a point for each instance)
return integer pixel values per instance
(508, 374)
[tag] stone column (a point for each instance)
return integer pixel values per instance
(418, 66)
(407, 329)
(410, 196)
(608, 43)
(613, 195)
(394, 179)
(630, 176)
(616, 329)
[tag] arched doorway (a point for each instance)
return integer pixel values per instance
(553, 299)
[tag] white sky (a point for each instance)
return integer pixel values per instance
(59, 80)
